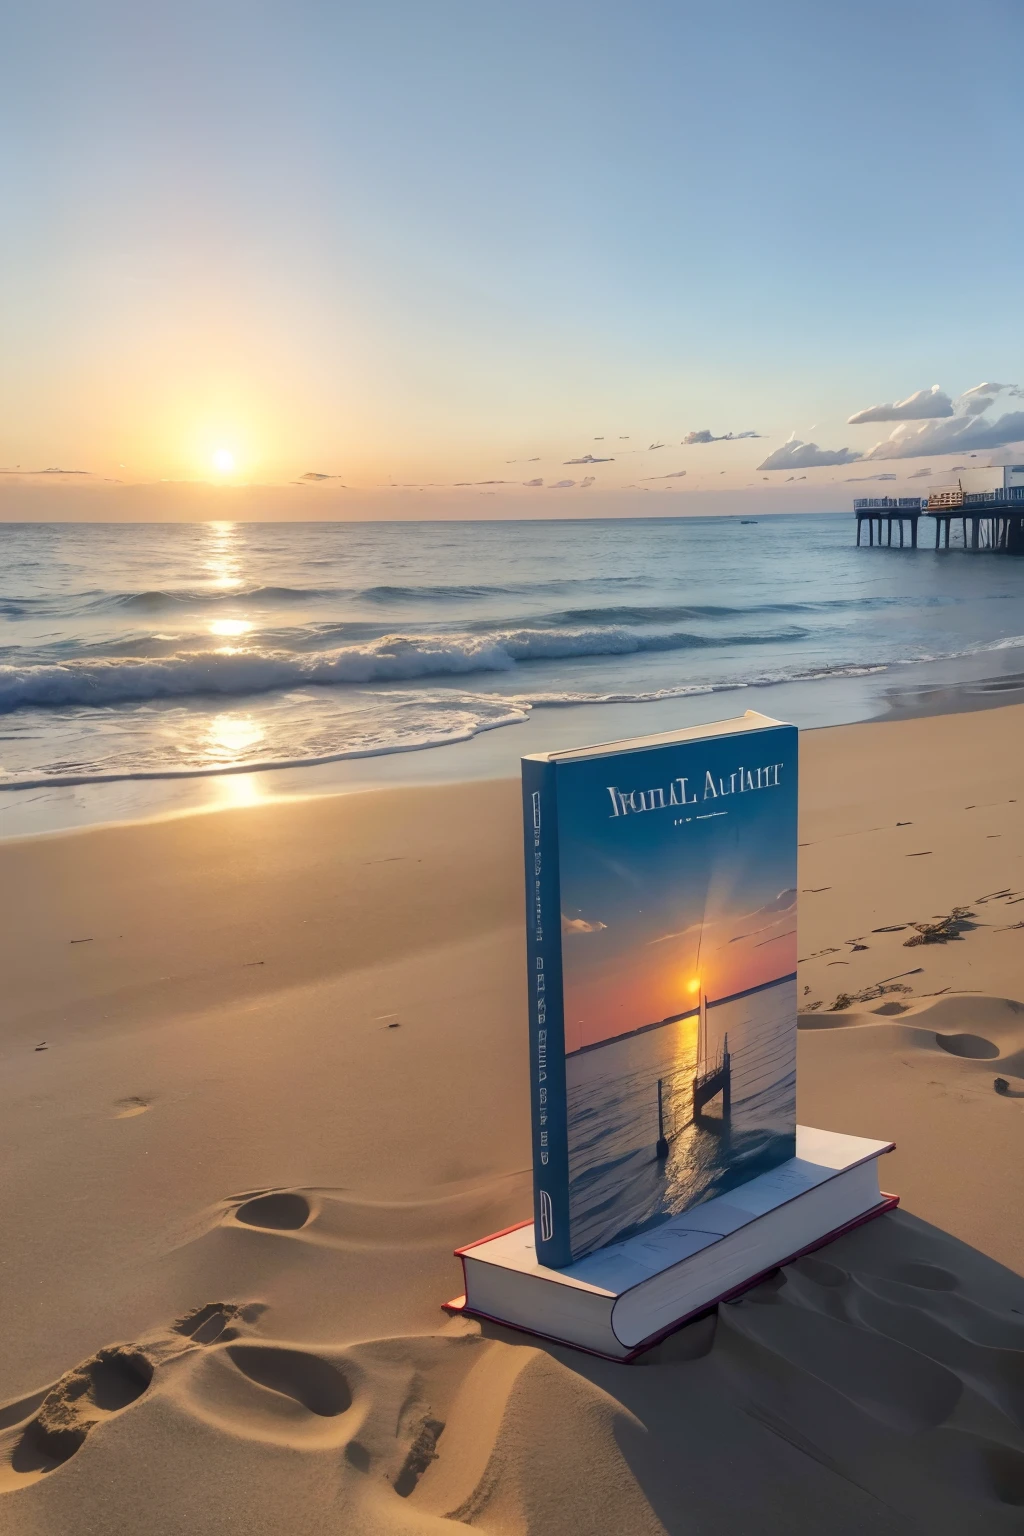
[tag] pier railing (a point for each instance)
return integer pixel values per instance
(888, 504)
(1009, 493)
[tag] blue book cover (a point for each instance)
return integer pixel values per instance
(661, 945)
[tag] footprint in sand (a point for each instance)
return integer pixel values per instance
(61, 1417)
(973, 1047)
(277, 1211)
(312, 1382)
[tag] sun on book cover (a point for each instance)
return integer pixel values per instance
(661, 927)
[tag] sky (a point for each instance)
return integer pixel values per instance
(657, 905)
(431, 255)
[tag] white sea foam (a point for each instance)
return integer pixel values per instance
(241, 671)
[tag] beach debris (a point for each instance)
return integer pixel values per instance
(812, 1007)
(81, 941)
(922, 855)
(892, 928)
(396, 1025)
(1009, 927)
(1001, 1085)
(868, 995)
(953, 926)
(42, 1046)
(421, 1453)
(855, 946)
(249, 963)
(815, 890)
(904, 823)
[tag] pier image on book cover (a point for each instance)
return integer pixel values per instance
(661, 914)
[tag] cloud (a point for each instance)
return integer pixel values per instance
(530, 483)
(992, 389)
(311, 474)
(923, 405)
(460, 483)
(677, 474)
(580, 925)
(706, 436)
(798, 455)
(855, 479)
(651, 446)
(587, 483)
(979, 405)
(53, 471)
(962, 433)
(561, 485)
(588, 458)
(919, 474)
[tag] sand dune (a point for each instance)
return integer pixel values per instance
(237, 1167)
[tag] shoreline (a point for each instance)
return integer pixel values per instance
(908, 691)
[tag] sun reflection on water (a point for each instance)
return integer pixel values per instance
(222, 555)
(230, 736)
(230, 627)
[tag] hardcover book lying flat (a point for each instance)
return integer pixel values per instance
(661, 946)
(623, 1298)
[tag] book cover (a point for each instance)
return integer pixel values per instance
(661, 926)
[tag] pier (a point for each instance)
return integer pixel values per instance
(714, 1079)
(989, 521)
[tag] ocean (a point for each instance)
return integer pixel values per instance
(171, 655)
(617, 1186)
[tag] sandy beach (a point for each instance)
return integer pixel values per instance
(263, 1068)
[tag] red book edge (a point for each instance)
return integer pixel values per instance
(457, 1306)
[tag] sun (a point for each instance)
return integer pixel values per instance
(693, 985)
(224, 461)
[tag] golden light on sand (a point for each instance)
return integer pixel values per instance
(224, 461)
(239, 789)
(230, 627)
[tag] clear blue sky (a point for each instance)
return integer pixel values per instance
(413, 242)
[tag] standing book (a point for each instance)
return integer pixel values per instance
(661, 944)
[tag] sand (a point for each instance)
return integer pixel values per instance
(264, 1068)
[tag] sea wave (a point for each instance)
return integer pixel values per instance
(241, 671)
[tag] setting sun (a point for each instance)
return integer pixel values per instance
(224, 461)
(693, 985)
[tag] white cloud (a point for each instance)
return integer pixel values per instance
(798, 455)
(580, 925)
(854, 479)
(531, 483)
(706, 436)
(919, 474)
(561, 485)
(992, 389)
(587, 483)
(588, 458)
(311, 474)
(677, 474)
(963, 433)
(923, 405)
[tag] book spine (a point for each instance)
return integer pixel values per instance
(547, 1025)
